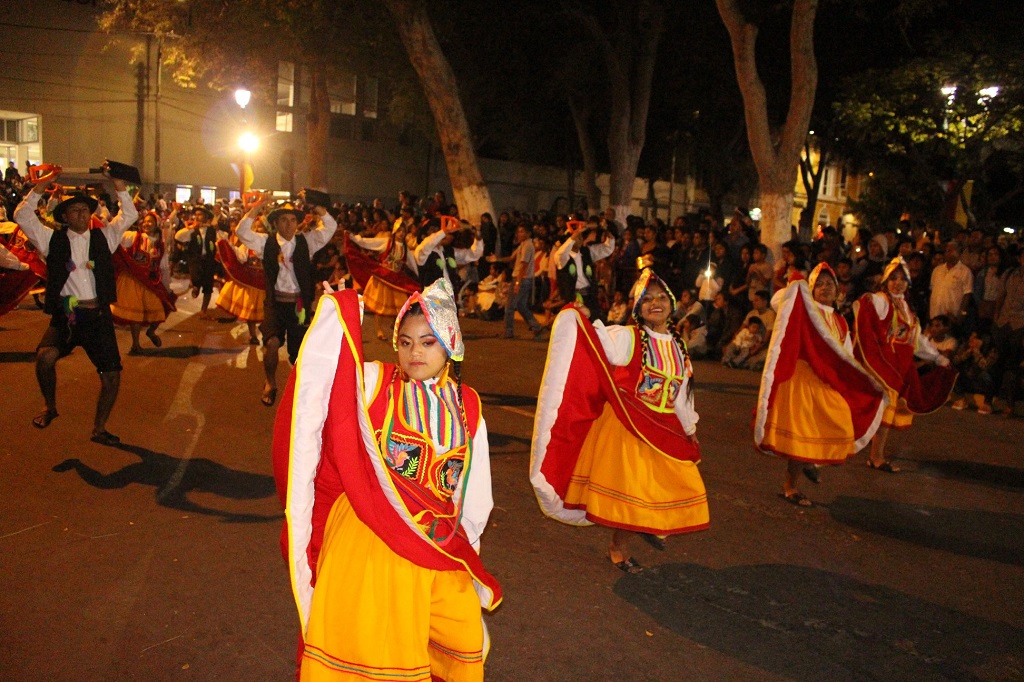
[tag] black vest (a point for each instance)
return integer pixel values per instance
(195, 243)
(567, 276)
(432, 270)
(301, 265)
(57, 268)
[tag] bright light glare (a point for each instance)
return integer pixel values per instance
(755, 214)
(248, 143)
(949, 90)
(1008, 230)
(988, 93)
(242, 97)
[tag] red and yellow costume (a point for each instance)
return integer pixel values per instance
(141, 296)
(245, 290)
(888, 337)
(384, 279)
(621, 451)
(386, 488)
(16, 284)
(816, 404)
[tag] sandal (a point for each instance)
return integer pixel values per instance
(105, 438)
(630, 566)
(812, 473)
(135, 350)
(885, 466)
(380, 335)
(43, 419)
(653, 540)
(269, 397)
(797, 498)
(157, 341)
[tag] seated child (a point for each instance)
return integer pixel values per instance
(938, 333)
(619, 312)
(694, 335)
(749, 338)
(976, 361)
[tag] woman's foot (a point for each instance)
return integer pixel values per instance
(885, 465)
(253, 341)
(985, 408)
(43, 419)
(628, 565)
(959, 404)
(813, 473)
(796, 497)
(104, 437)
(269, 396)
(157, 341)
(380, 334)
(135, 350)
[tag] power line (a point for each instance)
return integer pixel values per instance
(74, 30)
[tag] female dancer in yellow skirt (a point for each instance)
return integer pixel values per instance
(241, 296)
(888, 338)
(384, 473)
(385, 279)
(817, 405)
(142, 298)
(622, 451)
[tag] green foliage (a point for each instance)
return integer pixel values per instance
(901, 125)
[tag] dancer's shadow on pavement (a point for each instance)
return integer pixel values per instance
(993, 475)
(508, 400)
(807, 624)
(982, 534)
(17, 356)
(174, 479)
(184, 352)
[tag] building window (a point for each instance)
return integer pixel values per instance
(9, 130)
(30, 130)
(370, 97)
(34, 153)
(367, 130)
(183, 194)
(343, 95)
(341, 127)
(209, 195)
(284, 122)
(285, 84)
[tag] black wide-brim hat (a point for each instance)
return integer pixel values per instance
(74, 198)
(203, 208)
(283, 209)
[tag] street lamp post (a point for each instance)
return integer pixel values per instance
(247, 141)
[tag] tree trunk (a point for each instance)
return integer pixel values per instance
(629, 55)
(318, 127)
(811, 178)
(776, 160)
(581, 118)
(442, 92)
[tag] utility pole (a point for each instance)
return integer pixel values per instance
(156, 112)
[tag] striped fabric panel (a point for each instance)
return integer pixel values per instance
(434, 412)
(418, 674)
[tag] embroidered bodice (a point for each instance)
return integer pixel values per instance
(664, 372)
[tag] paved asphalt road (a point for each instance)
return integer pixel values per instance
(159, 560)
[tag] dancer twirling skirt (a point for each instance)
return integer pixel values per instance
(384, 518)
(817, 404)
(614, 439)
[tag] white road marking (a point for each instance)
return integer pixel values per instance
(517, 410)
(182, 406)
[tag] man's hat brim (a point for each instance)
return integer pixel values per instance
(203, 209)
(59, 209)
(278, 212)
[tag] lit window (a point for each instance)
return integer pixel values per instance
(342, 93)
(34, 153)
(370, 98)
(285, 84)
(183, 194)
(209, 195)
(30, 129)
(284, 122)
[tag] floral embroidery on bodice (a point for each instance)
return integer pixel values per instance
(661, 378)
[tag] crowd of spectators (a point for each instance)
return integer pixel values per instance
(967, 290)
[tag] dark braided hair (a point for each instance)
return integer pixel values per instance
(638, 320)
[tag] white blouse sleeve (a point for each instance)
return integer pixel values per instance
(617, 341)
(478, 501)
(684, 410)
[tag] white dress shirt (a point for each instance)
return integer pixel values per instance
(597, 252)
(81, 280)
(431, 245)
(316, 239)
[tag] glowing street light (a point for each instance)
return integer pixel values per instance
(242, 97)
(248, 142)
(985, 94)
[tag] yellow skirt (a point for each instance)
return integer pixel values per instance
(136, 303)
(378, 616)
(625, 483)
(811, 421)
(896, 415)
(244, 302)
(382, 298)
